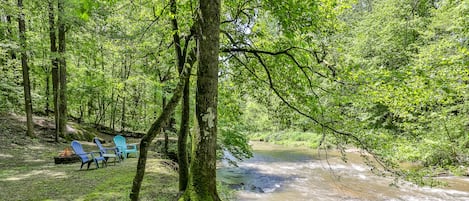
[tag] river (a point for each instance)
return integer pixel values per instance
(279, 173)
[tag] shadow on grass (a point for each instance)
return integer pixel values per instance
(67, 182)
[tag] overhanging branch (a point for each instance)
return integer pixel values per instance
(361, 144)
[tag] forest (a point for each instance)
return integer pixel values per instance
(388, 77)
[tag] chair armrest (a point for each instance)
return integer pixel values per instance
(111, 149)
(84, 154)
(96, 152)
(134, 146)
(120, 148)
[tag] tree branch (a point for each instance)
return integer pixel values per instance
(359, 142)
(154, 130)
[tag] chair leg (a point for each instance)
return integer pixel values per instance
(104, 163)
(82, 165)
(89, 163)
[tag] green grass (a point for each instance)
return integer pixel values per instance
(29, 173)
(289, 138)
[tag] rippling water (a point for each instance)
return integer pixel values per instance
(278, 173)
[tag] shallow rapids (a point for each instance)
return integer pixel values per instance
(278, 173)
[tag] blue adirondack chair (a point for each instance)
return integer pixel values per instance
(85, 156)
(107, 152)
(123, 148)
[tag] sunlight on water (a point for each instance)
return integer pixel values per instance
(278, 173)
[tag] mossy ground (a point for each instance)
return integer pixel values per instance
(28, 172)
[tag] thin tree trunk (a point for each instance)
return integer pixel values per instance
(24, 64)
(202, 171)
(113, 111)
(123, 123)
(55, 67)
(62, 70)
(47, 109)
(184, 130)
(103, 101)
(125, 76)
(80, 119)
(165, 125)
(182, 137)
(181, 56)
(47, 87)
(151, 134)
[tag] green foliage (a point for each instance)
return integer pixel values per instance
(230, 136)
(394, 74)
(11, 91)
(408, 80)
(292, 138)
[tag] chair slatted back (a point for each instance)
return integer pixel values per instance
(78, 149)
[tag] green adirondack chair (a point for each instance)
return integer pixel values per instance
(124, 148)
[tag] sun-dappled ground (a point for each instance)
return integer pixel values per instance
(28, 172)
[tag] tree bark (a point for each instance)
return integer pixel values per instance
(183, 161)
(165, 124)
(181, 56)
(151, 134)
(24, 64)
(202, 171)
(62, 70)
(47, 91)
(184, 130)
(55, 66)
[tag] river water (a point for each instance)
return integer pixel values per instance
(278, 173)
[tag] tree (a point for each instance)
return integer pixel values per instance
(55, 67)
(151, 134)
(62, 70)
(182, 58)
(59, 72)
(202, 171)
(24, 63)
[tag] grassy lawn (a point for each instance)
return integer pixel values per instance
(28, 172)
(33, 175)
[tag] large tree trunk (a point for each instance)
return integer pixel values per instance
(24, 64)
(151, 134)
(62, 70)
(55, 67)
(202, 171)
